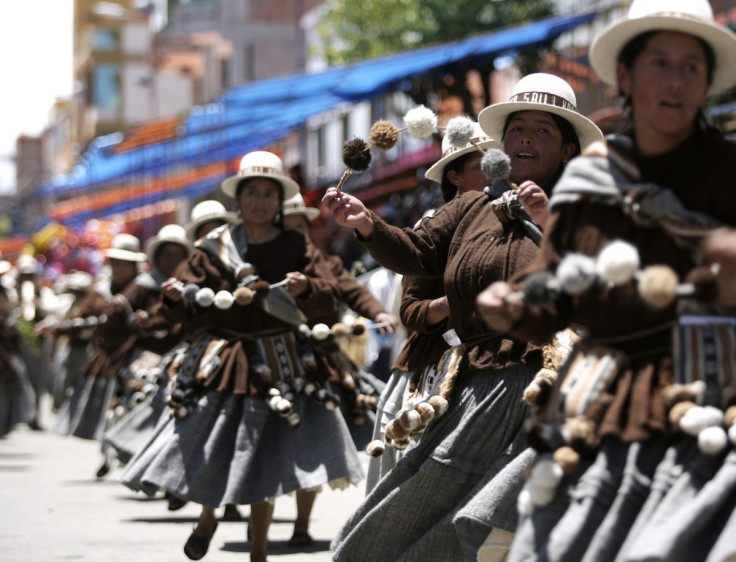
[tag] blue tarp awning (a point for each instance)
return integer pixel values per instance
(255, 115)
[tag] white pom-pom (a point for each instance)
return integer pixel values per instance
(618, 261)
(524, 502)
(274, 392)
(712, 440)
(732, 434)
(182, 412)
(119, 411)
(698, 389)
(205, 297)
(421, 122)
(375, 448)
(698, 418)
(224, 300)
(320, 332)
(439, 404)
(576, 273)
(459, 131)
(409, 419)
(547, 472)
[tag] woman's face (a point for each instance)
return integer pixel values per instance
(668, 84)
(123, 271)
(168, 258)
(469, 177)
(533, 142)
(259, 201)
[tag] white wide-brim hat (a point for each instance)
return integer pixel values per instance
(296, 206)
(694, 17)
(168, 234)
(207, 211)
(5, 265)
(451, 152)
(125, 247)
(540, 92)
(261, 164)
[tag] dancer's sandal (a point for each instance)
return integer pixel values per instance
(196, 546)
(301, 538)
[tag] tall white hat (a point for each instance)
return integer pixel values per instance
(296, 206)
(541, 92)
(261, 164)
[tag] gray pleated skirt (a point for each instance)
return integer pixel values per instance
(17, 397)
(131, 432)
(644, 501)
(409, 514)
(233, 449)
(84, 413)
(67, 367)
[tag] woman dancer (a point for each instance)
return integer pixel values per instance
(484, 373)
(226, 444)
(631, 468)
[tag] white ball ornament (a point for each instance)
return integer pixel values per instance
(618, 262)
(320, 332)
(712, 440)
(224, 300)
(205, 297)
(576, 273)
(421, 122)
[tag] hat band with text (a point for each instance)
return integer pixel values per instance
(260, 170)
(544, 98)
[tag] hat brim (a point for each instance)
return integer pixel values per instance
(310, 212)
(290, 187)
(124, 255)
(606, 47)
(191, 228)
(493, 118)
(155, 243)
(435, 172)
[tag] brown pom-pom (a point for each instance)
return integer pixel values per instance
(409, 419)
(730, 416)
(580, 433)
(546, 377)
(262, 288)
(340, 330)
(243, 296)
(426, 412)
(531, 393)
(356, 155)
(348, 381)
(358, 329)
(658, 286)
(401, 444)
(395, 431)
(568, 458)
(679, 393)
(439, 404)
(384, 134)
(679, 410)
(375, 448)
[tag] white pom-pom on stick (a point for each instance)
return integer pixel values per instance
(576, 273)
(421, 122)
(712, 440)
(618, 261)
(205, 297)
(224, 300)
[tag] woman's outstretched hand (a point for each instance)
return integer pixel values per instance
(348, 211)
(534, 200)
(498, 311)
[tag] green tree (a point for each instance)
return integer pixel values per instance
(354, 30)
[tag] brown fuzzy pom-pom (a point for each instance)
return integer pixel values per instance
(426, 412)
(401, 444)
(580, 433)
(356, 155)
(409, 419)
(384, 134)
(658, 286)
(358, 329)
(243, 296)
(679, 410)
(439, 404)
(531, 393)
(395, 431)
(375, 448)
(262, 288)
(729, 418)
(568, 458)
(679, 393)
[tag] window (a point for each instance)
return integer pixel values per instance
(106, 86)
(104, 40)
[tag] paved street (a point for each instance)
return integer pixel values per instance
(53, 508)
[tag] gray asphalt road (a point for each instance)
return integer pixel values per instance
(53, 508)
